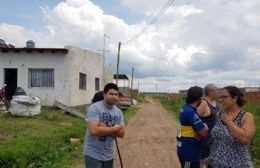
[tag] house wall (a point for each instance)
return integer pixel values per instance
(66, 72)
(251, 94)
(89, 63)
(108, 75)
(23, 61)
(123, 83)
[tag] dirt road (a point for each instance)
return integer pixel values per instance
(150, 139)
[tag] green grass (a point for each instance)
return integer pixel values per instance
(40, 141)
(174, 106)
(255, 146)
(140, 98)
(130, 112)
(43, 140)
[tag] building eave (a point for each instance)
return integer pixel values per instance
(34, 50)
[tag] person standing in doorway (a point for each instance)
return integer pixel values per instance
(192, 130)
(105, 122)
(208, 112)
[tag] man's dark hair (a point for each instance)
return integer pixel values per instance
(235, 92)
(194, 93)
(110, 86)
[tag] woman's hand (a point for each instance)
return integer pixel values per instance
(226, 118)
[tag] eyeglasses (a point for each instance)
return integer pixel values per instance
(223, 97)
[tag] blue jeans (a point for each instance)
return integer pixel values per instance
(94, 163)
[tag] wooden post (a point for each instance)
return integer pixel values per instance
(118, 58)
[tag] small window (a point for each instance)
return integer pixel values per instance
(82, 81)
(41, 77)
(97, 84)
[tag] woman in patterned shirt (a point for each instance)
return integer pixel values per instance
(232, 133)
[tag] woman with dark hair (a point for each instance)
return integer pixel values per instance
(232, 133)
(98, 97)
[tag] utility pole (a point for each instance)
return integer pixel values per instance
(104, 49)
(132, 81)
(118, 58)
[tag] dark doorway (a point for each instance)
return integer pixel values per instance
(11, 82)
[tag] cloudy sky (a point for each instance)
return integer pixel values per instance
(192, 43)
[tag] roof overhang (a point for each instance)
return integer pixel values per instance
(34, 50)
(121, 76)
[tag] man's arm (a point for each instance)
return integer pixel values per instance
(97, 129)
(204, 131)
(203, 109)
(121, 133)
(200, 127)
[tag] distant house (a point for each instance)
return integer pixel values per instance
(70, 75)
(183, 93)
(123, 82)
(251, 94)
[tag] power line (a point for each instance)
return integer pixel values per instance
(156, 17)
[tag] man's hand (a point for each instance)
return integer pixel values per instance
(120, 131)
(117, 128)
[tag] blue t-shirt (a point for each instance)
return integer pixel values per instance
(101, 147)
(188, 147)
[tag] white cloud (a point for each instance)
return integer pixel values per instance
(144, 6)
(194, 42)
(183, 56)
(18, 35)
(183, 11)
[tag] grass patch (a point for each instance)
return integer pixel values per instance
(130, 112)
(255, 146)
(139, 97)
(43, 140)
(40, 141)
(174, 107)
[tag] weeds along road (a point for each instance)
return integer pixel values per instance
(150, 139)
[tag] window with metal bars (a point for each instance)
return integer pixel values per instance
(41, 77)
(97, 84)
(82, 81)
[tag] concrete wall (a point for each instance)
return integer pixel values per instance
(66, 73)
(251, 94)
(108, 76)
(89, 63)
(123, 82)
(24, 60)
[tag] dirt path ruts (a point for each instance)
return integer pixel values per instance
(150, 139)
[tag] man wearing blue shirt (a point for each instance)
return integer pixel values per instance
(105, 121)
(192, 129)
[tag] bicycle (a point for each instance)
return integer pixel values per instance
(4, 103)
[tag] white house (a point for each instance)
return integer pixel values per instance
(70, 75)
(122, 82)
